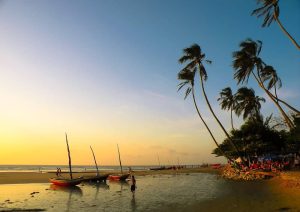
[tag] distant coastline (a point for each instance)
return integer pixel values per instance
(78, 168)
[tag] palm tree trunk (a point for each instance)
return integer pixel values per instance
(286, 118)
(286, 32)
(275, 92)
(231, 119)
(211, 110)
(285, 103)
(212, 136)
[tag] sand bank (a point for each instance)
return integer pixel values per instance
(41, 177)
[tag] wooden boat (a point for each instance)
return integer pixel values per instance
(122, 177)
(98, 177)
(158, 168)
(216, 166)
(64, 181)
(118, 177)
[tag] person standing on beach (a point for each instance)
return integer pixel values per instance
(58, 172)
(133, 185)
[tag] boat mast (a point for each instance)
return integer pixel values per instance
(158, 160)
(120, 159)
(95, 161)
(69, 157)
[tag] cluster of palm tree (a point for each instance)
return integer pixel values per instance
(246, 62)
(243, 102)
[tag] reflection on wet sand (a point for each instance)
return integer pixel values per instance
(133, 204)
(97, 186)
(72, 189)
(124, 185)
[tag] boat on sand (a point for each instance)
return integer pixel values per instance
(98, 177)
(66, 182)
(118, 177)
(60, 181)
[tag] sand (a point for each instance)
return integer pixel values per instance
(38, 177)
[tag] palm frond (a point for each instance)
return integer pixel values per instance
(187, 92)
(269, 9)
(181, 85)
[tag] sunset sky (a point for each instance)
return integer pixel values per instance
(105, 72)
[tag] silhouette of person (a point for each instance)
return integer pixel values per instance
(133, 185)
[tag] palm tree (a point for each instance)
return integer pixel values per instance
(245, 61)
(194, 56)
(270, 10)
(269, 74)
(187, 77)
(227, 102)
(247, 103)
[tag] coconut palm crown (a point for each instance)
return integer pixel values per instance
(187, 76)
(194, 56)
(248, 104)
(227, 101)
(270, 10)
(246, 60)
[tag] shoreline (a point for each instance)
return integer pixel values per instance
(43, 177)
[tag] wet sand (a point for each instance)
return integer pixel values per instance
(198, 189)
(41, 177)
(281, 193)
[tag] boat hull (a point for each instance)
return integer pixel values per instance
(65, 182)
(158, 168)
(118, 177)
(99, 178)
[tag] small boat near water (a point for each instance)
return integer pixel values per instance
(122, 177)
(60, 181)
(158, 168)
(118, 177)
(66, 182)
(98, 177)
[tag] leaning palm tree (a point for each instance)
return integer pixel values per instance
(246, 60)
(269, 75)
(194, 57)
(227, 102)
(248, 104)
(187, 77)
(270, 10)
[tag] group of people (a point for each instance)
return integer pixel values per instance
(269, 165)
